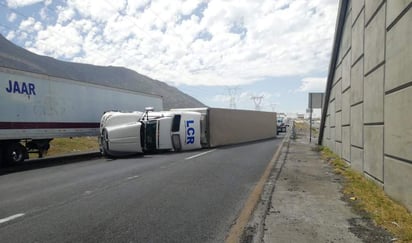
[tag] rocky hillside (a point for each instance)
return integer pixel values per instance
(13, 56)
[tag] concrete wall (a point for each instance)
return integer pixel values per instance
(369, 117)
(227, 126)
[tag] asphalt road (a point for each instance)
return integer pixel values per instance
(174, 197)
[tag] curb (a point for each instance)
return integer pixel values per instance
(242, 229)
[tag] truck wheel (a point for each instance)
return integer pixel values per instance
(16, 153)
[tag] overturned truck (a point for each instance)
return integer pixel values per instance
(124, 133)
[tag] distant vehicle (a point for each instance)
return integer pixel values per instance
(125, 133)
(281, 125)
(36, 108)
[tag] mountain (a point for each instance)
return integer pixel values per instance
(13, 56)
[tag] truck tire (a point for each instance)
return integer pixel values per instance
(15, 153)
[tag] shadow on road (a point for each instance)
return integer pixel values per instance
(34, 164)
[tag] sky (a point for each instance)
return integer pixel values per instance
(247, 54)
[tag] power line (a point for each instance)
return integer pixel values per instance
(257, 100)
(273, 106)
(232, 96)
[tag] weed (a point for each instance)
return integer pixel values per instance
(371, 198)
(59, 146)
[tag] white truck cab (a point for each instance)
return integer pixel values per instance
(120, 133)
(171, 130)
(137, 132)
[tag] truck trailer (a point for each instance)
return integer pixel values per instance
(124, 133)
(35, 108)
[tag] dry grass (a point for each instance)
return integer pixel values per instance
(371, 198)
(60, 146)
(301, 126)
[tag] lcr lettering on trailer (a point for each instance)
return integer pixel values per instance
(190, 132)
(21, 88)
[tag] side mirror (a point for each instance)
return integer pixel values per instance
(147, 109)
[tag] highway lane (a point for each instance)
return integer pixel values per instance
(174, 197)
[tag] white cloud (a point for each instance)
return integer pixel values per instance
(11, 35)
(30, 25)
(229, 43)
(58, 40)
(99, 10)
(21, 3)
(12, 17)
(64, 14)
(312, 84)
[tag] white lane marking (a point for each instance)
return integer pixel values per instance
(88, 192)
(201, 154)
(4, 220)
(132, 177)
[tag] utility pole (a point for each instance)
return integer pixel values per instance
(257, 100)
(273, 105)
(232, 96)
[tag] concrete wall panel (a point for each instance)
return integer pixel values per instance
(398, 124)
(370, 8)
(332, 135)
(328, 143)
(338, 74)
(346, 143)
(332, 94)
(375, 40)
(357, 83)
(373, 103)
(373, 150)
(338, 96)
(346, 37)
(357, 6)
(356, 159)
(338, 130)
(327, 127)
(398, 182)
(357, 37)
(338, 149)
(399, 53)
(357, 125)
(332, 121)
(346, 107)
(346, 68)
(394, 8)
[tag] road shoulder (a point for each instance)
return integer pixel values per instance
(303, 202)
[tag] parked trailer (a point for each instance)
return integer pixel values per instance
(36, 108)
(182, 129)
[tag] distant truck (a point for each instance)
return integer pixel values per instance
(36, 108)
(181, 129)
(281, 124)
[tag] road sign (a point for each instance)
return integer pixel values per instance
(316, 100)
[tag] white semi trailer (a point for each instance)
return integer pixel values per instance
(36, 108)
(182, 129)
